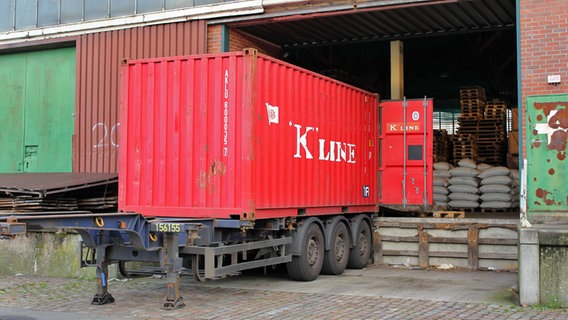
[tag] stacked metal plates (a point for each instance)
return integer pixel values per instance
(25, 192)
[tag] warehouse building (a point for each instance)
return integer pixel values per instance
(495, 70)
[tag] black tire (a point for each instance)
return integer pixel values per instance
(336, 258)
(307, 266)
(361, 253)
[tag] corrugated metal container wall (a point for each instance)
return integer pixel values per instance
(99, 57)
(244, 135)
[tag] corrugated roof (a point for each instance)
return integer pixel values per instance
(383, 23)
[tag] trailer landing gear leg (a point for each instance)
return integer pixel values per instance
(102, 296)
(173, 263)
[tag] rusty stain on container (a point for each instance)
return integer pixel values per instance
(99, 58)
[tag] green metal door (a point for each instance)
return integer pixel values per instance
(547, 172)
(12, 92)
(40, 87)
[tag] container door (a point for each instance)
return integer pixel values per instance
(406, 139)
(547, 126)
(40, 100)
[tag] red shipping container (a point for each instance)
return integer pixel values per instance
(406, 140)
(243, 135)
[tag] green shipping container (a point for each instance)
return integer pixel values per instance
(37, 91)
(546, 138)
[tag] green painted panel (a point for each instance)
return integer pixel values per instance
(50, 100)
(546, 139)
(44, 112)
(12, 91)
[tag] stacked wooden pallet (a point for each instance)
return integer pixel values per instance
(472, 101)
(496, 109)
(485, 122)
(464, 146)
(492, 135)
(442, 146)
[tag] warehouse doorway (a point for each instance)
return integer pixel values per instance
(462, 54)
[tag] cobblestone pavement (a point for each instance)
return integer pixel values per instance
(142, 298)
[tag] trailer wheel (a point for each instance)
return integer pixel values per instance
(336, 258)
(361, 252)
(307, 266)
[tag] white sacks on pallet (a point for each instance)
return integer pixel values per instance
(463, 185)
(495, 187)
(515, 188)
(441, 177)
(471, 185)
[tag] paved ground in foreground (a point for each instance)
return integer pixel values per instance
(26, 298)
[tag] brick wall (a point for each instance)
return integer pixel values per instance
(214, 39)
(544, 47)
(238, 41)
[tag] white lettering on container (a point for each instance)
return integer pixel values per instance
(302, 140)
(226, 115)
(331, 150)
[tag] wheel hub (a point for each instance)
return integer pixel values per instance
(313, 251)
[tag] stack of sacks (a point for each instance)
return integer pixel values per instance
(495, 188)
(515, 187)
(441, 177)
(464, 185)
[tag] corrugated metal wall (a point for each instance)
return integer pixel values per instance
(99, 57)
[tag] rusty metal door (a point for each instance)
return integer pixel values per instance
(547, 172)
(37, 94)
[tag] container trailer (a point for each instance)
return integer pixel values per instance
(238, 160)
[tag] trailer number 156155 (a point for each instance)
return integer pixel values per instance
(167, 227)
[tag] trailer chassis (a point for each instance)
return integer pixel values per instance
(114, 237)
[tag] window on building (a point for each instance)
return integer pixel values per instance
(144, 6)
(7, 15)
(446, 120)
(120, 8)
(29, 14)
(48, 13)
(26, 14)
(71, 11)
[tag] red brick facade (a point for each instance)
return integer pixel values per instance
(237, 41)
(214, 39)
(544, 46)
